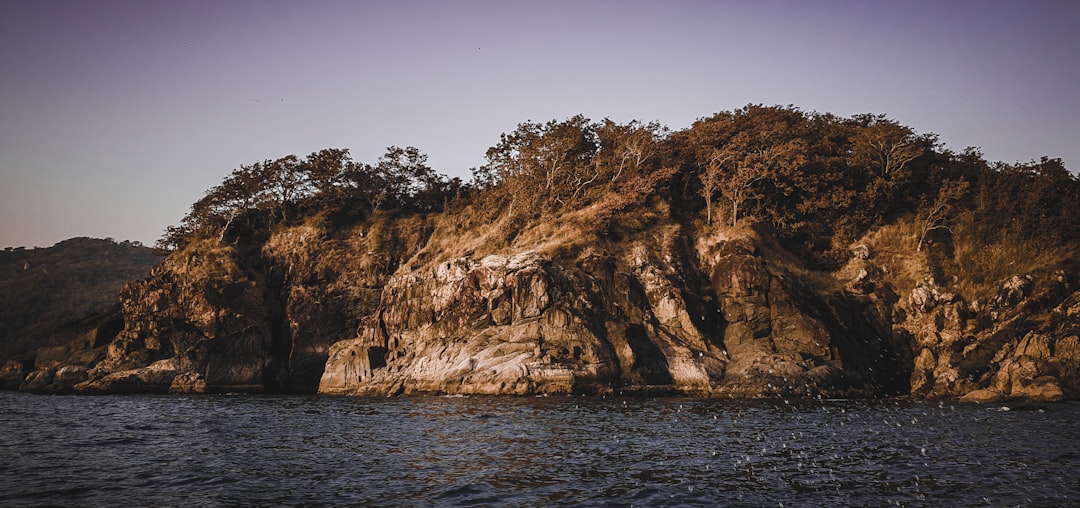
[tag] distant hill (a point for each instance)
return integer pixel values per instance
(44, 288)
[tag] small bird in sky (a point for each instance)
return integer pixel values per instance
(256, 100)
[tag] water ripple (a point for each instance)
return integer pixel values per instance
(478, 451)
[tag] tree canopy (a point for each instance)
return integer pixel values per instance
(275, 191)
(815, 181)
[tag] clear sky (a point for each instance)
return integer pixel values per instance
(116, 115)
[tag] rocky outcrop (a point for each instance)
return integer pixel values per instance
(785, 338)
(1021, 344)
(657, 317)
(72, 351)
(366, 311)
(496, 325)
(232, 317)
(199, 314)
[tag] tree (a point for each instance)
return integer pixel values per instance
(884, 146)
(406, 180)
(543, 167)
(711, 178)
(242, 191)
(284, 182)
(326, 171)
(626, 148)
(937, 216)
(739, 152)
(750, 165)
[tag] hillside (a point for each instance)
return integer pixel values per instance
(765, 251)
(42, 289)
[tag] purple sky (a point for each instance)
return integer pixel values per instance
(116, 115)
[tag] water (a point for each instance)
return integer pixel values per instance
(268, 450)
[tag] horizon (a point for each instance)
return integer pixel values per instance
(120, 114)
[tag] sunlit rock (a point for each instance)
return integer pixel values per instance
(983, 396)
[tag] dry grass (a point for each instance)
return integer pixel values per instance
(296, 245)
(981, 263)
(205, 258)
(778, 259)
(893, 250)
(457, 235)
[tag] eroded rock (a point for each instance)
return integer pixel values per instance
(1020, 345)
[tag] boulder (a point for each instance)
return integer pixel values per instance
(983, 396)
(38, 381)
(1040, 389)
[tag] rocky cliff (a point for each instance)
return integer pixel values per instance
(671, 311)
(658, 316)
(222, 316)
(1020, 344)
(765, 251)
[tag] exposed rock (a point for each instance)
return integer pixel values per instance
(922, 376)
(1041, 389)
(501, 325)
(1013, 291)
(1021, 345)
(983, 396)
(72, 351)
(70, 374)
(1034, 345)
(188, 382)
(522, 325)
(368, 312)
(862, 251)
(222, 317)
(38, 381)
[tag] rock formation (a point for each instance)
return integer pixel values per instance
(662, 313)
(765, 251)
(1020, 344)
(656, 317)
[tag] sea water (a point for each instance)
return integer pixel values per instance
(246, 450)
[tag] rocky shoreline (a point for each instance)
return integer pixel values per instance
(664, 314)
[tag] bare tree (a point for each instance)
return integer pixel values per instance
(885, 146)
(939, 213)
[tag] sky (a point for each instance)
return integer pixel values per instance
(115, 115)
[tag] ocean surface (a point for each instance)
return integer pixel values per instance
(245, 450)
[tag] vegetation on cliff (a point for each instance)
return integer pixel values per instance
(815, 182)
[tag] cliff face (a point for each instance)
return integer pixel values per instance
(179, 320)
(221, 317)
(356, 311)
(658, 315)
